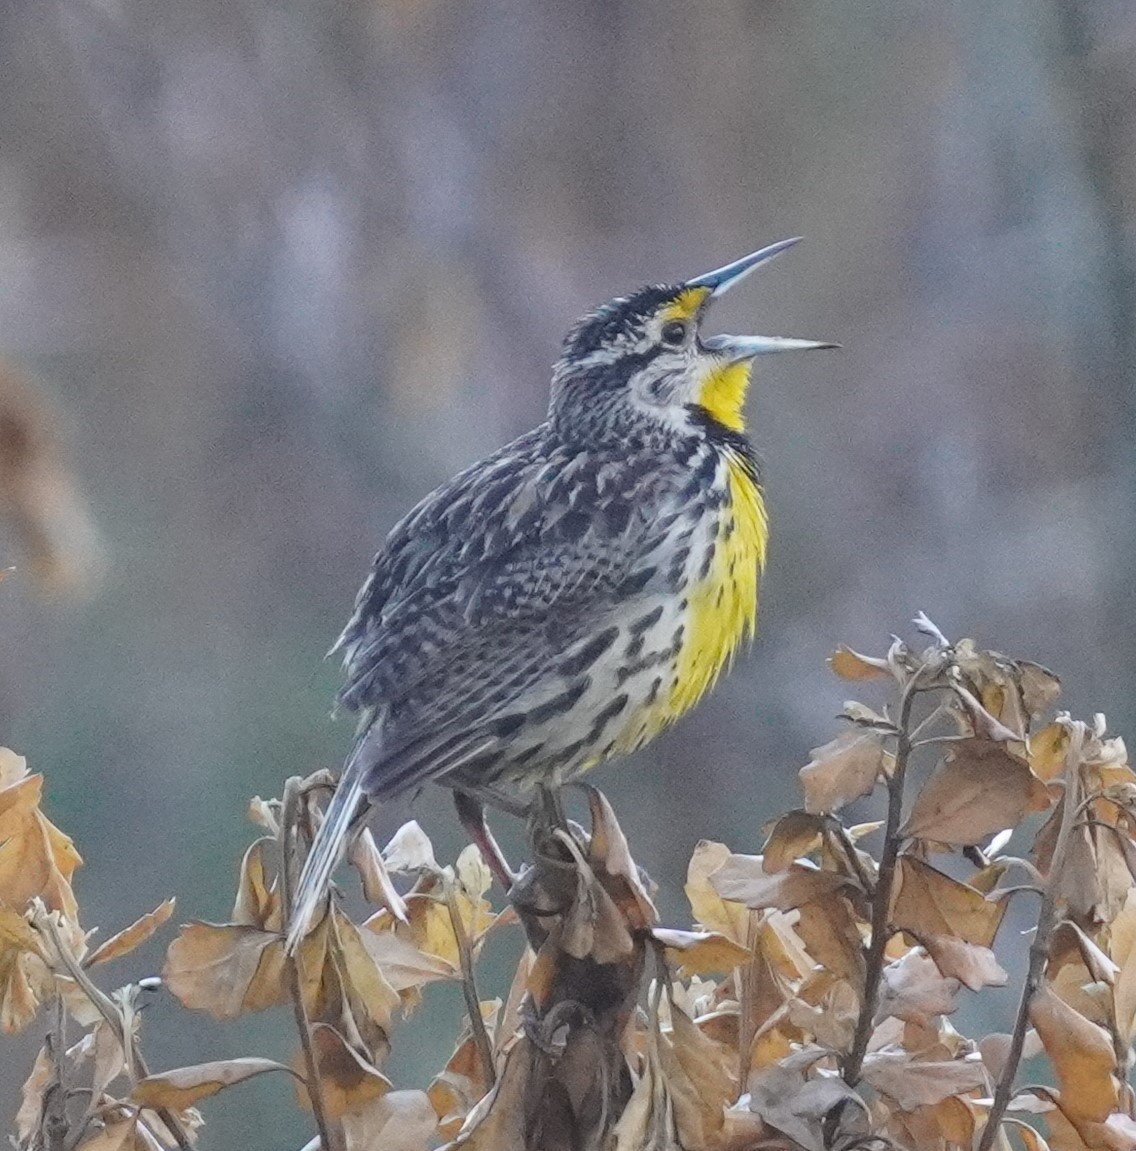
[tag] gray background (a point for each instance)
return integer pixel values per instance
(283, 267)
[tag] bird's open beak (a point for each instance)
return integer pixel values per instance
(721, 280)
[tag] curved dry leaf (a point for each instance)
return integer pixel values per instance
(397, 1121)
(348, 1080)
(744, 879)
(458, 1087)
(1122, 951)
(131, 937)
(30, 1114)
(706, 905)
(257, 904)
(843, 770)
(410, 850)
(912, 1083)
(1082, 1056)
(404, 965)
(973, 966)
(378, 888)
(977, 790)
(794, 835)
(701, 1080)
(1069, 944)
(121, 1135)
(830, 932)
(701, 952)
(927, 903)
(995, 1050)
(185, 1086)
(849, 664)
(610, 854)
(362, 983)
(226, 969)
(1046, 751)
(25, 983)
(36, 858)
(1039, 687)
(497, 1123)
(914, 990)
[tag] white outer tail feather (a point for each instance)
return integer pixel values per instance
(324, 857)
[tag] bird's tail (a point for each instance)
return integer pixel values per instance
(326, 852)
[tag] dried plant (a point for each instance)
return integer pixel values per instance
(807, 1005)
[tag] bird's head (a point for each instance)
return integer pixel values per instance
(641, 360)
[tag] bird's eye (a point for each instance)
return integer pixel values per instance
(673, 333)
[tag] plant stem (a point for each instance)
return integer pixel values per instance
(881, 899)
(289, 814)
(1047, 919)
(469, 987)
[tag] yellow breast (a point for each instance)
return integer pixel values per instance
(722, 607)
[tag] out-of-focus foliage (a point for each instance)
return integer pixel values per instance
(808, 1006)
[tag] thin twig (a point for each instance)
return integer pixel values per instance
(112, 1014)
(469, 987)
(1047, 920)
(881, 899)
(289, 814)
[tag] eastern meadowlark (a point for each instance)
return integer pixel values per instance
(562, 601)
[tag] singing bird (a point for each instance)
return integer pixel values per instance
(562, 601)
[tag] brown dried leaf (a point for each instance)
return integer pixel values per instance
(843, 770)
(744, 879)
(369, 996)
(25, 980)
(227, 969)
(794, 835)
(185, 1086)
(461, 1084)
(849, 664)
(410, 850)
(128, 1134)
(701, 952)
(377, 885)
(995, 1050)
(498, 1122)
(30, 1114)
(975, 967)
(917, 1084)
(609, 854)
(700, 1078)
(1082, 1056)
(914, 990)
(348, 1080)
(131, 937)
(707, 906)
(647, 1121)
(1039, 686)
(404, 966)
(1046, 750)
(396, 1121)
(828, 928)
(799, 1107)
(1122, 951)
(978, 789)
(1069, 944)
(257, 904)
(36, 858)
(928, 903)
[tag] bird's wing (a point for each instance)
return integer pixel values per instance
(480, 589)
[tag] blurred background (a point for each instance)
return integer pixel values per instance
(271, 271)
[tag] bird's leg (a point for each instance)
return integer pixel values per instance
(545, 814)
(471, 813)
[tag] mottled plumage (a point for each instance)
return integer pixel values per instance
(561, 601)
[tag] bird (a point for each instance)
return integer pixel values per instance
(562, 601)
